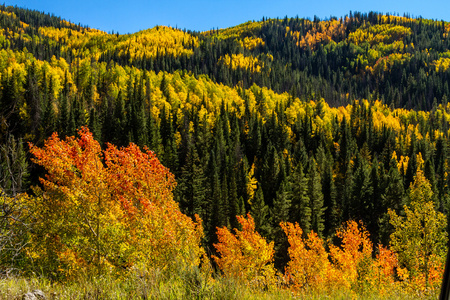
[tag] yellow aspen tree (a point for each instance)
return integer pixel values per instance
(419, 236)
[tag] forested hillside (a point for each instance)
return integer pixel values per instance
(313, 122)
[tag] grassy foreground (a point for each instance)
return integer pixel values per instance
(186, 285)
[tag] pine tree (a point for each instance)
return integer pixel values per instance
(192, 184)
(64, 116)
(216, 209)
(33, 100)
(50, 121)
(237, 207)
(170, 157)
(120, 121)
(300, 202)
(154, 136)
(280, 213)
(393, 198)
(260, 212)
(94, 125)
(361, 204)
(316, 198)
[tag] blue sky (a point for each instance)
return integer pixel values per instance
(200, 15)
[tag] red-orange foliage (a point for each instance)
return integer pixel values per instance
(349, 267)
(245, 254)
(111, 212)
(309, 266)
(386, 263)
(353, 259)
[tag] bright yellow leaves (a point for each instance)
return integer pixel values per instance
(17, 33)
(386, 63)
(91, 43)
(236, 32)
(160, 40)
(83, 43)
(442, 64)
(324, 31)
(385, 46)
(240, 61)
(376, 34)
(420, 237)
(252, 183)
(251, 43)
(245, 255)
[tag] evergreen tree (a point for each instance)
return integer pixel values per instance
(192, 184)
(361, 207)
(316, 198)
(94, 125)
(154, 136)
(280, 213)
(237, 207)
(260, 212)
(64, 116)
(299, 198)
(33, 100)
(393, 198)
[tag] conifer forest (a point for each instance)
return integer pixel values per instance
(288, 157)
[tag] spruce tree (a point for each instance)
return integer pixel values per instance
(260, 212)
(299, 198)
(191, 188)
(64, 116)
(94, 125)
(316, 198)
(280, 213)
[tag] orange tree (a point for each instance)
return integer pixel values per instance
(353, 259)
(309, 266)
(109, 209)
(349, 267)
(245, 255)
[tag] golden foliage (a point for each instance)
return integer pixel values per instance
(240, 61)
(160, 40)
(251, 43)
(322, 32)
(309, 265)
(245, 254)
(442, 64)
(377, 34)
(353, 258)
(237, 32)
(419, 237)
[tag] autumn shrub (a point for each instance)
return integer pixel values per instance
(245, 255)
(353, 258)
(350, 268)
(106, 211)
(309, 266)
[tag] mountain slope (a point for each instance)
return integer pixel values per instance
(283, 118)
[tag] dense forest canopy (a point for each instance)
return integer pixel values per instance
(291, 120)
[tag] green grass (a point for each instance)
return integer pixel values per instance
(190, 284)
